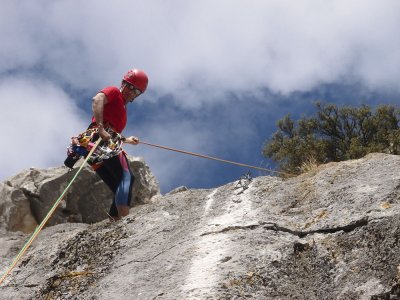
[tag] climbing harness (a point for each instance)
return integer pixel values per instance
(49, 214)
(217, 159)
(83, 143)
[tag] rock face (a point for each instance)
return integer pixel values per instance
(26, 198)
(332, 233)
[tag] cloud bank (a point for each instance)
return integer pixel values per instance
(206, 46)
(198, 55)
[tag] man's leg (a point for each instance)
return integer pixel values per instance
(123, 194)
(111, 173)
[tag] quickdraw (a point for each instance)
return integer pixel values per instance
(244, 181)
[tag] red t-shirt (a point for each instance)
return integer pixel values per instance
(114, 112)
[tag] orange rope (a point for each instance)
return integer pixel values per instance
(215, 158)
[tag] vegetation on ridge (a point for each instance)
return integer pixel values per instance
(334, 134)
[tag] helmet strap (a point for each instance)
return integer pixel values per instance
(123, 85)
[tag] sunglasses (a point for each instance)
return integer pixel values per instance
(135, 90)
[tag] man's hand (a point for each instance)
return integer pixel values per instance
(105, 136)
(132, 140)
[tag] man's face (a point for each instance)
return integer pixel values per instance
(130, 92)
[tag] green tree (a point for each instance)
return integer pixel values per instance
(334, 134)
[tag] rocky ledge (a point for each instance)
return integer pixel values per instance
(332, 233)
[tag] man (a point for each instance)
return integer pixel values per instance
(110, 114)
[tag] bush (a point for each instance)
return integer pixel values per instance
(334, 134)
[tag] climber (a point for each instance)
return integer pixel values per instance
(109, 108)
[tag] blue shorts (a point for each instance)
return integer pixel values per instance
(118, 176)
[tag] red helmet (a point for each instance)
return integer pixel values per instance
(137, 78)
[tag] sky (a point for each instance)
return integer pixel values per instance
(221, 74)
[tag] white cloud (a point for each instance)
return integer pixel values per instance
(209, 45)
(37, 120)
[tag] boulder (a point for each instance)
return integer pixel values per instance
(26, 198)
(15, 210)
